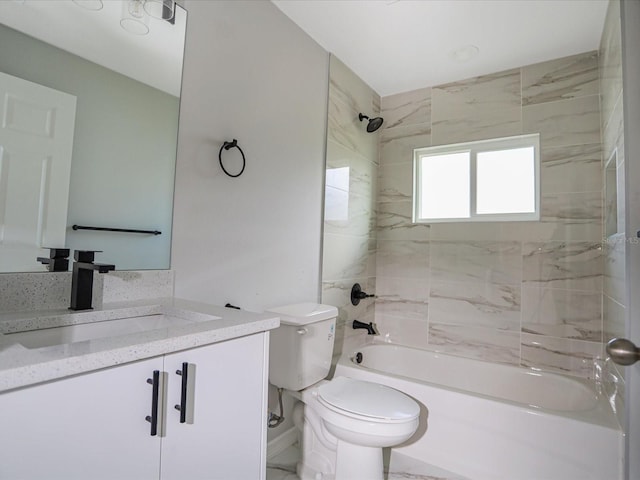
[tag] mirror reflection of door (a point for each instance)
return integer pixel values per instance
(36, 141)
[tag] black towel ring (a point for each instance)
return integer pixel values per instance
(227, 146)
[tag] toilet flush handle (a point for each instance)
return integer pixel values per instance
(301, 331)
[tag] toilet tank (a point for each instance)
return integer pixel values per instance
(300, 350)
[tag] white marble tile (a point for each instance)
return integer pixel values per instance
(611, 60)
(562, 313)
(480, 231)
(344, 256)
(561, 79)
(408, 108)
(395, 222)
(571, 169)
(404, 467)
(613, 129)
(476, 261)
(397, 144)
(614, 318)
(478, 108)
(614, 267)
(570, 265)
(570, 216)
(338, 294)
(475, 304)
(567, 122)
(349, 88)
(348, 214)
(402, 258)
(346, 129)
(406, 298)
(395, 182)
(574, 357)
(283, 465)
(402, 331)
(480, 343)
(361, 173)
(349, 96)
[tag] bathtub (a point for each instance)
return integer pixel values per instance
(488, 422)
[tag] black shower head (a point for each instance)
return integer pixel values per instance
(374, 123)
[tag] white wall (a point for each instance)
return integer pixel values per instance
(254, 241)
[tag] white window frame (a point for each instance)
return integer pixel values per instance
(495, 144)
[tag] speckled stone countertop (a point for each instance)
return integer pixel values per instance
(201, 324)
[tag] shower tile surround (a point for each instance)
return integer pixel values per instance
(523, 293)
(349, 241)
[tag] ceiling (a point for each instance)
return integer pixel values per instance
(401, 45)
(154, 59)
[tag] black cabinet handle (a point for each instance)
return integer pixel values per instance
(187, 391)
(153, 418)
(157, 419)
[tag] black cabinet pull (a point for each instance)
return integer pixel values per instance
(158, 416)
(153, 418)
(187, 391)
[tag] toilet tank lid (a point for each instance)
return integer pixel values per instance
(304, 313)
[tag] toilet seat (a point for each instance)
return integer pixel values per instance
(367, 401)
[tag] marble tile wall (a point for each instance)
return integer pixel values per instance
(349, 239)
(522, 293)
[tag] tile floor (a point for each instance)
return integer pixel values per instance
(397, 467)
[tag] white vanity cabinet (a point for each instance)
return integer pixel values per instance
(226, 440)
(94, 425)
(88, 426)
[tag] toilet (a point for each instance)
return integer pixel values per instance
(345, 423)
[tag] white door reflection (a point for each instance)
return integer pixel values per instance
(336, 199)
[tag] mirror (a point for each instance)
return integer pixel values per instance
(69, 66)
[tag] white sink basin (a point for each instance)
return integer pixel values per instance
(89, 331)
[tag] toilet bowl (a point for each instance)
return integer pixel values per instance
(344, 423)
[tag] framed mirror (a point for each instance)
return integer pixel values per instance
(88, 131)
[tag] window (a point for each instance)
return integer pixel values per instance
(488, 180)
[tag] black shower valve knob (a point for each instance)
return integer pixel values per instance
(357, 294)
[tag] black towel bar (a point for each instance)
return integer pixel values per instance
(123, 230)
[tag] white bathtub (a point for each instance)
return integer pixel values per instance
(489, 422)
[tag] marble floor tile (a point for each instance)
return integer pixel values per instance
(396, 467)
(401, 467)
(283, 465)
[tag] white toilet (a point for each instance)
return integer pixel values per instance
(345, 423)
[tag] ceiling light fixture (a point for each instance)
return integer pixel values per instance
(135, 14)
(94, 5)
(465, 53)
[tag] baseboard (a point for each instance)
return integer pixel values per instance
(282, 442)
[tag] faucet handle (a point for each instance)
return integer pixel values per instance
(55, 252)
(85, 255)
(57, 260)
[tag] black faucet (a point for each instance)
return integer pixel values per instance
(82, 280)
(58, 260)
(369, 327)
